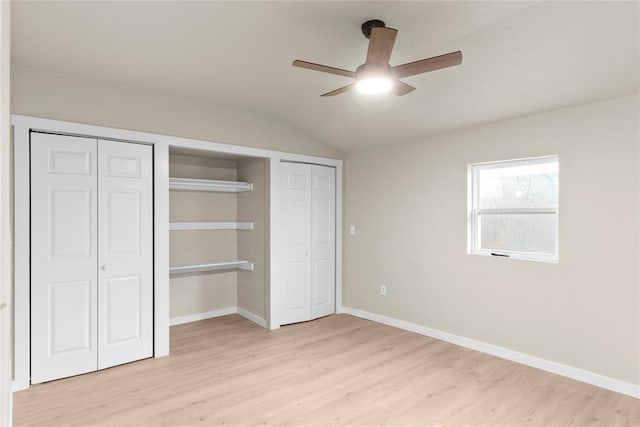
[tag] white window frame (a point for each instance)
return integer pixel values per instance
(473, 214)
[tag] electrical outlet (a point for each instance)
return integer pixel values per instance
(383, 290)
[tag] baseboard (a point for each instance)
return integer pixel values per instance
(19, 385)
(217, 313)
(514, 356)
(253, 317)
(202, 316)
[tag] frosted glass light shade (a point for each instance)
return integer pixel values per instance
(373, 85)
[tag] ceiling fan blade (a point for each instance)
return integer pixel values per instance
(401, 88)
(339, 91)
(380, 45)
(426, 65)
(323, 68)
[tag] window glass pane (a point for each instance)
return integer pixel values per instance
(521, 186)
(518, 232)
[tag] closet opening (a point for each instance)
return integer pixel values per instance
(219, 235)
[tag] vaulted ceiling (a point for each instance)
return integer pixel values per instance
(519, 57)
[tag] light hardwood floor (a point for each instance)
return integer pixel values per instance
(336, 370)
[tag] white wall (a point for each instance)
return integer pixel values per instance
(6, 354)
(62, 97)
(408, 203)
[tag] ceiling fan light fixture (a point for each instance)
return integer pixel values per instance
(374, 85)
(376, 75)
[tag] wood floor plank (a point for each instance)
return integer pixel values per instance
(338, 370)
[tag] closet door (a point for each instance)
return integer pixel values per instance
(63, 256)
(308, 207)
(323, 241)
(295, 185)
(125, 242)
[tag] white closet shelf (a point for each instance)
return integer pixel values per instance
(225, 225)
(189, 184)
(211, 266)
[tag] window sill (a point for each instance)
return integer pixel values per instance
(517, 256)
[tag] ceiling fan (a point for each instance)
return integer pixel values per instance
(376, 75)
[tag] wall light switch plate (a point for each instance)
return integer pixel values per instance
(352, 230)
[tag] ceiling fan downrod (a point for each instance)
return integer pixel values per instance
(373, 23)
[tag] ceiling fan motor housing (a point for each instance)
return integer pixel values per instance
(367, 26)
(366, 70)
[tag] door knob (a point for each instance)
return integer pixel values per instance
(103, 267)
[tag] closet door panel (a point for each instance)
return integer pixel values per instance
(125, 298)
(297, 294)
(123, 310)
(123, 217)
(63, 256)
(70, 311)
(323, 241)
(296, 209)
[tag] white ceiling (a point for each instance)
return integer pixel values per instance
(519, 57)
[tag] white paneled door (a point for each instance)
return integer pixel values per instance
(91, 258)
(323, 241)
(296, 205)
(308, 206)
(125, 253)
(64, 256)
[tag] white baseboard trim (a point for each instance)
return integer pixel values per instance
(202, 316)
(217, 313)
(253, 317)
(19, 385)
(504, 353)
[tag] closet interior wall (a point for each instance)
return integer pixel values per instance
(204, 293)
(252, 295)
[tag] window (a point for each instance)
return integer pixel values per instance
(513, 209)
